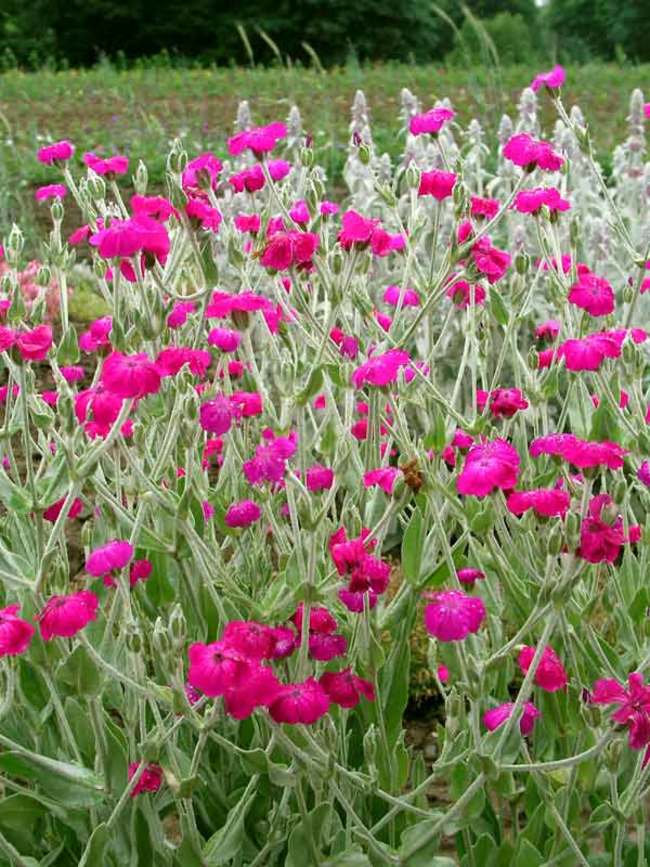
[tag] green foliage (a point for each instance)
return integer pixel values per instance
(506, 35)
(611, 29)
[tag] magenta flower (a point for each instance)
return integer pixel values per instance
(395, 295)
(581, 453)
(548, 330)
(130, 376)
(497, 716)
(553, 80)
(286, 249)
(173, 359)
(216, 668)
(157, 207)
(481, 207)
(180, 313)
(437, 183)
(550, 674)
(64, 616)
(59, 152)
(304, 703)
(470, 576)
(489, 260)
(529, 153)
(112, 556)
(360, 232)
(488, 466)
(601, 536)
(259, 689)
(431, 122)
(97, 336)
(320, 619)
(546, 502)
(216, 415)
(345, 688)
(247, 404)
(633, 706)
(270, 461)
(140, 570)
(299, 213)
(462, 294)
(150, 780)
(532, 201)
(225, 339)
(250, 223)
(242, 514)
(223, 304)
(593, 294)
(15, 633)
(35, 344)
(126, 238)
(254, 641)
(503, 402)
(52, 512)
(73, 372)
(51, 191)
(260, 140)
(110, 166)
(323, 648)
(381, 370)
(319, 478)
(252, 179)
(201, 173)
(643, 473)
(382, 477)
(203, 216)
(452, 615)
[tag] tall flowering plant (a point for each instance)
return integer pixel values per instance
(303, 428)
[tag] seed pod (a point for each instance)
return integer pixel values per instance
(177, 626)
(96, 187)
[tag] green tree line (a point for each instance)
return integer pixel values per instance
(80, 32)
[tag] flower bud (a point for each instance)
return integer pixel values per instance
(177, 626)
(141, 179)
(134, 639)
(554, 541)
(386, 194)
(57, 210)
(412, 177)
(160, 639)
(14, 245)
(44, 276)
(364, 153)
(40, 413)
(532, 359)
(306, 157)
(96, 187)
(628, 294)
(522, 263)
(336, 261)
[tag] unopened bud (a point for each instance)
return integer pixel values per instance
(628, 294)
(57, 210)
(364, 153)
(412, 177)
(160, 639)
(141, 179)
(44, 276)
(96, 186)
(177, 626)
(522, 263)
(306, 157)
(134, 640)
(14, 245)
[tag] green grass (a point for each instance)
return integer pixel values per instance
(139, 112)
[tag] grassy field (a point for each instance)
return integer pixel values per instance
(139, 112)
